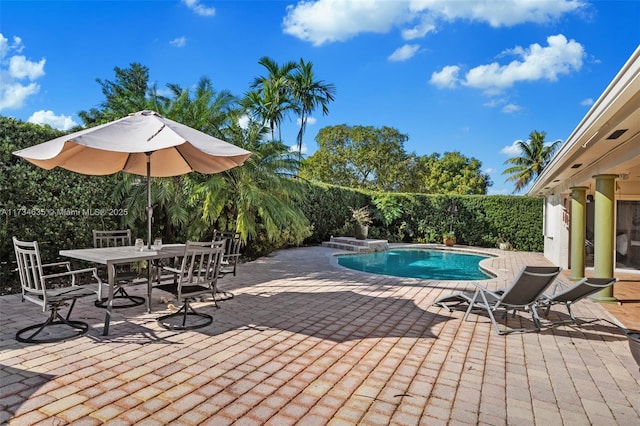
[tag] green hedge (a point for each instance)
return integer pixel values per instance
(479, 220)
(56, 207)
(60, 208)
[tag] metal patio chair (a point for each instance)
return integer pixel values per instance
(38, 287)
(124, 274)
(197, 276)
(232, 245)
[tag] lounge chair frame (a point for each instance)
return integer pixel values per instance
(521, 295)
(569, 295)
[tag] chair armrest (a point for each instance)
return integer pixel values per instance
(73, 274)
(171, 269)
(50, 265)
(497, 293)
(558, 286)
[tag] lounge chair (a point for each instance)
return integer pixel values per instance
(458, 301)
(521, 295)
(561, 295)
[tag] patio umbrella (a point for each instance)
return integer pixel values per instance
(144, 143)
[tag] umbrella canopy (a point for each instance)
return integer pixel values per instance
(144, 143)
(126, 144)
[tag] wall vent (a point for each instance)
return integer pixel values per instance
(616, 134)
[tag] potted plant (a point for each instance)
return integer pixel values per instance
(449, 238)
(362, 217)
(503, 244)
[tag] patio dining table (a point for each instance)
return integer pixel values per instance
(111, 256)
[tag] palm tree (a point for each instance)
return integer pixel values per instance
(176, 215)
(308, 94)
(207, 110)
(258, 198)
(274, 93)
(535, 155)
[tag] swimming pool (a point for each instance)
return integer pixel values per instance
(419, 263)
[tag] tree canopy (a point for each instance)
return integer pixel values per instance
(374, 158)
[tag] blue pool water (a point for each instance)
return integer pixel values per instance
(419, 263)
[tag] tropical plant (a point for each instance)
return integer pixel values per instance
(204, 108)
(308, 94)
(535, 155)
(127, 94)
(361, 215)
(258, 198)
(271, 99)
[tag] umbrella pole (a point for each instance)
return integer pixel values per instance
(149, 207)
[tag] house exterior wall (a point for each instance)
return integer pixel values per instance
(556, 230)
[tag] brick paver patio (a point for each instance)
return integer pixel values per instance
(307, 342)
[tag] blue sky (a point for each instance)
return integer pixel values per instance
(468, 76)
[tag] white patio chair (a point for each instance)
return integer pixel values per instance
(38, 288)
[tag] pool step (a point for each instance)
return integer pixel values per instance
(352, 244)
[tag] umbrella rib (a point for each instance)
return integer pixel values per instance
(156, 133)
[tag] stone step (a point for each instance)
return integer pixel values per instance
(345, 246)
(352, 244)
(355, 242)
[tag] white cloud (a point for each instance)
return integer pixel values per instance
(61, 122)
(13, 94)
(509, 108)
(490, 171)
(244, 121)
(17, 73)
(310, 121)
(326, 21)
(502, 191)
(447, 78)
(495, 102)
(511, 150)
(427, 25)
(499, 14)
(294, 148)
(404, 52)
(179, 42)
(5, 47)
(20, 67)
(198, 8)
(587, 102)
(514, 148)
(560, 56)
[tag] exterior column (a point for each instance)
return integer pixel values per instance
(578, 231)
(603, 238)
